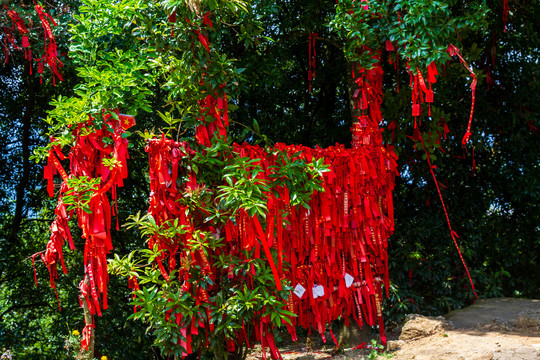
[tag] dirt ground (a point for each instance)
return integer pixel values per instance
(491, 329)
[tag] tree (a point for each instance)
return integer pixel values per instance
(32, 325)
(476, 183)
(309, 118)
(202, 77)
(23, 103)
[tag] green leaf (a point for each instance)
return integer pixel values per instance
(256, 126)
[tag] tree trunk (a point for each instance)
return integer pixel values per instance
(25, 176)
(352, 86)
(88, 321)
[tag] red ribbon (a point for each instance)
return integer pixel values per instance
(454, 51)
(50, 54)
(343, 234)
(453, 234)
(86, 159)
(312, 60)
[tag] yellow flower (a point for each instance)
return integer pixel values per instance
(76, 332)
(103, 357)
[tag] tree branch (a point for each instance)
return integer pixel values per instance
(22, 306)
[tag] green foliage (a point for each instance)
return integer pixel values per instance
(79, 193)
(420, 30)
(376, 350)
(232, 307)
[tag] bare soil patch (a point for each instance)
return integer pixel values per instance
(491, 329)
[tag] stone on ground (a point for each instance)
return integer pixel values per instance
(529, 318)
(417, 326)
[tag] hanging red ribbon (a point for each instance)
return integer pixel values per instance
(50, 54)
(454, 51)
(86, 160)
(19, 24)
(506, 9)
(312, 60)
(453, 234)
(354, 223)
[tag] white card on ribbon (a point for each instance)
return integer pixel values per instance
(318, 291)
(348, 280)
(299, 290)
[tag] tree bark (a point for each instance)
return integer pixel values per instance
(88, 321)
(352, 86)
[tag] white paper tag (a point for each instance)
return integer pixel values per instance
(318, 291)
(348, 280)
(299, 290)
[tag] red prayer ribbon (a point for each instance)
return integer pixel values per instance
(454, 51)
(336, 249)
(453, 234)
(86, 160)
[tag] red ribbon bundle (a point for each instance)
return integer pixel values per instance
(87, 160)
(312, 58)
(16, 23)
(50, 53)
(337, 248)
(423, 93)
(506, 9)
(165, 158)
(420, 91)
(341, 240)
(213, 116)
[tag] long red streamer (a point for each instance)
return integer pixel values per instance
(453, 234)
(86, 159)
(454, 51)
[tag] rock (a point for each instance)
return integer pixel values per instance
(485, 310)
(496, 324)
(505, 354)
(394, 345)
(529, 318)
(447, 356)
(527, 353)
(417, 326)
(522, 353)
(480, 356)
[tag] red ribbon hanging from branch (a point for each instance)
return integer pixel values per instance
(453, 234)
(454, 51)
(19, 24)
(50, 54)
(506, 9)
(351, 220)
(86, 159)
(312, 60)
